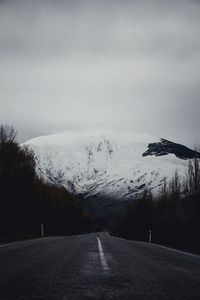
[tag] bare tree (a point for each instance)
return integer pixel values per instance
(175, 186)
(7, 134)
(193, 176)
(164, 190)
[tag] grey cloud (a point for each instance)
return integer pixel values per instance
(122, 64)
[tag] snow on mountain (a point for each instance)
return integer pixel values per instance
(117, 164)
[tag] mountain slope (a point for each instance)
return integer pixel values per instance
(112, 164)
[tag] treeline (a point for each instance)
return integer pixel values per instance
(26, 201)
(173, 217)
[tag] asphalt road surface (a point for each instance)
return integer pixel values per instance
(91, 267)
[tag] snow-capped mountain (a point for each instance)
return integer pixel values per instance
(116, 164)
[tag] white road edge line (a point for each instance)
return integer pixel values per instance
(21, 243)
(178, 251)
(157, 245)
(102, 256)
(24, 242)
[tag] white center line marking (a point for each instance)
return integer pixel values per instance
(102, 256)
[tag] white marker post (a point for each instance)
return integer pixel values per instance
(150, 236)
(42, 230)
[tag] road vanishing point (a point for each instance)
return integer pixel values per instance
(96, 267)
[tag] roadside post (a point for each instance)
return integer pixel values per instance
(150, 237)
(42, 230)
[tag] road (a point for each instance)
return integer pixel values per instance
(91, 267)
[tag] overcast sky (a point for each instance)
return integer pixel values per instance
(132, 65)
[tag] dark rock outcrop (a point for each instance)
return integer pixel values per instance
(165, 147)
